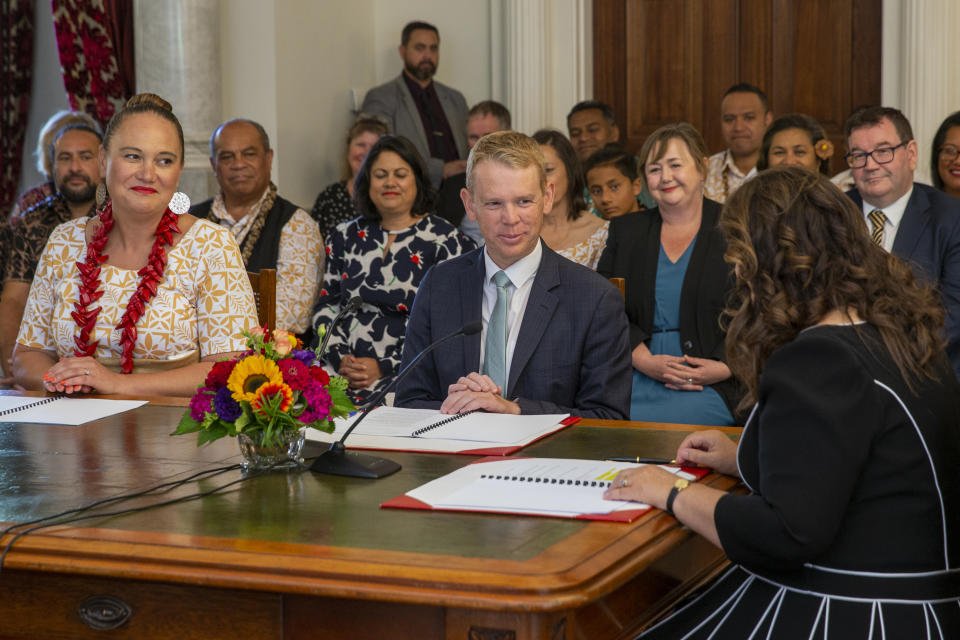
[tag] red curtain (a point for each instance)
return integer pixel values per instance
(16, 69)
(95, 40)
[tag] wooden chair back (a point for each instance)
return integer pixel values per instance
(620, 283)
(264, 286)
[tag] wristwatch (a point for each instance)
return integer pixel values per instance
(678, 486)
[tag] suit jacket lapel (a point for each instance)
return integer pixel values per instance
(540, 309)
(912, 225)
(471, 299)
(410, 106)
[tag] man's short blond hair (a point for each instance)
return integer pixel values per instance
(510, 148)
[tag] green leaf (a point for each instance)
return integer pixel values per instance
(186, 425)
(337, 384)
(215, 432)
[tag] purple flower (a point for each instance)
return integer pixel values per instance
(319, 403)
(200, 403)
(227, 408)
(304, 356)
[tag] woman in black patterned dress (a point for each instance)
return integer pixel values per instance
(852, 449)
(335, 203)
(381, 257)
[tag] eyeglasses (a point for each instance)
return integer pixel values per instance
(883, 155)
(949, 152)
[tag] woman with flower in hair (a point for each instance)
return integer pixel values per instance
(851, 453)
(381, 257)
(142, 298)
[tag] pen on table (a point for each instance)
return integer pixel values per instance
(640, 460)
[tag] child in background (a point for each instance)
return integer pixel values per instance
(613, 181)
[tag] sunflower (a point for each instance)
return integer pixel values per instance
(249, 374)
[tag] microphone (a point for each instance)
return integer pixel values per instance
(352, 305)
(337, 461)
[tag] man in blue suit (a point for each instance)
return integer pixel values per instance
(918, 223)
(555, 336)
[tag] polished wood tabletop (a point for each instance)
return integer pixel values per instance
(298, 547)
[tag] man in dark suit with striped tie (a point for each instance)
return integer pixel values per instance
(554, 337)
(916, 222)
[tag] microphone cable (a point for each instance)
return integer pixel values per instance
(59, 519)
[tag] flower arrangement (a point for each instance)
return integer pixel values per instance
(274, 389)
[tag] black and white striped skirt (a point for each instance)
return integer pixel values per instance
(819, 603)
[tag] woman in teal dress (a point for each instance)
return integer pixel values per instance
(676, 287)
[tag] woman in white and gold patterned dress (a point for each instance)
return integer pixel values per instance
(569, 229)
(138, 289)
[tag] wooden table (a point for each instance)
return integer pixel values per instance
(299, 555)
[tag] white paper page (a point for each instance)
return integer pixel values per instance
(465, 489)
(72, 411)
(388, 421)
(496, 428)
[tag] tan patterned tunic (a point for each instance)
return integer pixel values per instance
(588, 252)
(203, 302)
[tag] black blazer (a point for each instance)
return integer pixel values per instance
(632, 252)
(929, 239)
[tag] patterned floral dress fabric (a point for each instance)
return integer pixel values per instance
(333, 206)
(16, 72)
(357, 266)
(204, 300)
(588, 252)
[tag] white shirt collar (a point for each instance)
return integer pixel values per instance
(894, 212)
(520, 271)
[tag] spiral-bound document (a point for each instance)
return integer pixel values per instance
(475, 432)
(556, 487)
(61, 410)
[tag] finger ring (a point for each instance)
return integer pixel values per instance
(624, 483)
(86, 372)
(690, 380)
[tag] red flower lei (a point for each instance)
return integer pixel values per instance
(90, 290)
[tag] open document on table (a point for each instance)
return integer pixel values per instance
(61, 410)
(557, 487)
(476, 433)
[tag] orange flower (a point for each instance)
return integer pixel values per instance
(268, 391)
(284, 341)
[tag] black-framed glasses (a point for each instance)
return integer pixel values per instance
(949, 152)
(881, 155)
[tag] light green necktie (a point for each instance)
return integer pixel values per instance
(495, 349)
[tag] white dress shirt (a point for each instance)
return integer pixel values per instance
(521, 274)
(894, 215)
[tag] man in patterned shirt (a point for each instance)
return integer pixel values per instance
(744, 118)
(272, 232)
(76, 174)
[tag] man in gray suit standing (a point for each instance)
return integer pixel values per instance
(554, 333)
(432, 115)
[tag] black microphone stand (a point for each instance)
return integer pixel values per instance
(336, 460)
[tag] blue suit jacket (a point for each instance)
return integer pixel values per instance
(929, 239)
(572, 353)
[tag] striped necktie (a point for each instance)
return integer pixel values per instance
(495, 348)
(878, 220)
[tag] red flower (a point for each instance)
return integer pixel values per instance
(295, 373)
(329, 250)
(401, 307)
(415, 258)
(320, 375)
(361, 234)
(219, 373)
(343, 277)
(323, 292)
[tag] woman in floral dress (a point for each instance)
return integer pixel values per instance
(381, 257)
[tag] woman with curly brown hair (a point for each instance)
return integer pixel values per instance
(852, 449)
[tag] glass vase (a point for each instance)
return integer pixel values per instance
(286, 454)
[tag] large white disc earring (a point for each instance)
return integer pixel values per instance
(179, 203)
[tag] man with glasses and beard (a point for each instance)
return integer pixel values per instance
(915, 222)
(431, 115)
(76, 174)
